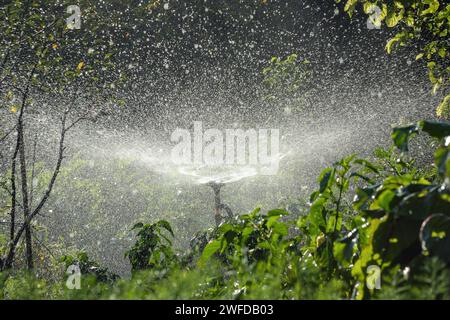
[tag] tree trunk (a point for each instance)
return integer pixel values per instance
(12, 229)
(26, 208)
(20, 149)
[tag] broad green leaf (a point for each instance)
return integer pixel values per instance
(166, 225)
(326, 179)
(345, 249)
(438, 130)
(277, 212)
(280, 228)
(442, 160)
(350, 6)
(432, 7)
(210, 249)
(443, 110)
(384, 200)
(368, 165)
(393, 18)
(402, 135)
(137, 226)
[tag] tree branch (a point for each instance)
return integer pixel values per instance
(8, 133)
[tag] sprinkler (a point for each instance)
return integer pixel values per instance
(218, 205)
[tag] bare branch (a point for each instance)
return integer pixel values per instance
(8, 133)
(33, 166)
(2, 65)
(42, 244)
(82, 118)
(56, 170)
(10, 193)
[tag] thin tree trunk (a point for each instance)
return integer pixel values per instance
(25, 203)
(10, 257)
(24, 183)
(13, 194)
(32, 213)
(33, 168)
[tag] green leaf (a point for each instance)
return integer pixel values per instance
(277, 212)
(138, 225)
(384, 200)
(435, 129)
(210, 249)
(368, 165)
(272, 220)
(252, 215)
(402, 135)
(166, 225)
(398, 38)
(316, 214)
(350, 6)
(325, 179)
(363, 196)
(229, 236)
(442, 160)
(344, 250)
(363, 177)
(433, 6)
(394, 18)
(280, 228)
(443, 110)
(247, 232)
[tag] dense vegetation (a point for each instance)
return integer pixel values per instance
(371, 222)
(398, 220)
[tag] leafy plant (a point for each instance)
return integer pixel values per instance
(404, 216)
(89, 267)
(250, 238)
(153, 249)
